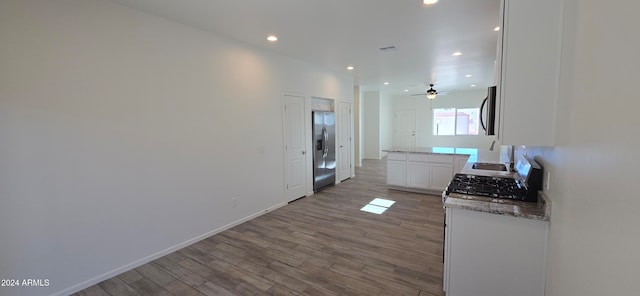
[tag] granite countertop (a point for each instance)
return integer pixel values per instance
(537, 211)
(475, 154)
(471, 171)
(471, 152)
(434, 150)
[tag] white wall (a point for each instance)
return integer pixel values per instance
(377, 112)
(386, 122)
(125, 135)
(594, 241)
(371, 127)
(424, 118)
(357, 118)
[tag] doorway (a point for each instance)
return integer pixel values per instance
(344, 141)
(404, 133)
(295, 147)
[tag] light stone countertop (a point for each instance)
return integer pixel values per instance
(434, 150)
(475, 153)
(471, 171)
(471, 152)
(537, 211)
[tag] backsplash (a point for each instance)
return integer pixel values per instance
(519, 152)
(540, 154)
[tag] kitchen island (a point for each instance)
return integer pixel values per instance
(494, 246)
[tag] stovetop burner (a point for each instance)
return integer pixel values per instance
(494, 187)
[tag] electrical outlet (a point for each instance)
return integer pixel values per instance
(261, 149)
(234, 202)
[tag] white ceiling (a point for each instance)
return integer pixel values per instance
(338, 33)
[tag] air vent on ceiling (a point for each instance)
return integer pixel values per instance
(388, 48)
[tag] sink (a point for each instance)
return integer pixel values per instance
(489, 166)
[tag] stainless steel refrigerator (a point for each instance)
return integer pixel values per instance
(324, 152)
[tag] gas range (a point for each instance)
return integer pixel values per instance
(495, 187)
(524, 186)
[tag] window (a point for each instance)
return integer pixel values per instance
(452, 121)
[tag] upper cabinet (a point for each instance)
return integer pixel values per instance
(528, 66)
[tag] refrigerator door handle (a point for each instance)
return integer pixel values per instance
(325, 139)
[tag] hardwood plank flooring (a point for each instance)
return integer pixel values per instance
(318, 245)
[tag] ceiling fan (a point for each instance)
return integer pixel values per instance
(431, 93)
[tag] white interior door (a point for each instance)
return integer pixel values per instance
(295, 152)
(344, 141)
(404, 129)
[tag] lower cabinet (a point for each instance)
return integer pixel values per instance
(396, 172)
(428, 172)
(490, 254)
(418, 175)
(440, 176)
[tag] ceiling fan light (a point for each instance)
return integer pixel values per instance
(431, 93)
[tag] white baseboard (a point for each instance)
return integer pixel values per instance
(145, 260)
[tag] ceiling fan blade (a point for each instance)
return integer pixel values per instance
(418, 95)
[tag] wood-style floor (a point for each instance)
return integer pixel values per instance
(318, 245)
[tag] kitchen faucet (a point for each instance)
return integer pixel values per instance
(511, 156)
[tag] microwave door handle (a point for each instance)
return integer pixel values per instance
(481, 108)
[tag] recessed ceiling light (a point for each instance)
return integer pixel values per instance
(350, 68)
(468, 75)
(406, 90)
(272, 38)
(429, 2)
(457, 53)
(386, 83)
(496, 28)
(473, 85)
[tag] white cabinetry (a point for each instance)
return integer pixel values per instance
(440, 174)
(396, 169)
(530, 67)
(489, 254)
(419, 172)
(418, 175)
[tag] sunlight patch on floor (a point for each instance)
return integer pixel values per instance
(378, 206)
